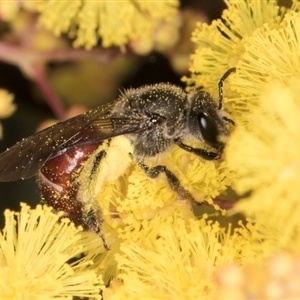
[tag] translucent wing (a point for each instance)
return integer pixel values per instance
(25, 158)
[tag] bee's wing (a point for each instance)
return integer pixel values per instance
(25, 158)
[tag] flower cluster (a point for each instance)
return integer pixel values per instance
(262, 151)
(110, 23)
(43, 257)
(114, 22)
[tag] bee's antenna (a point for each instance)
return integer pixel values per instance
(220, 85)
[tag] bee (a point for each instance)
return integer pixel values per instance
(142, 123)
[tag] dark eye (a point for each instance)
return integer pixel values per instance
(208, 130)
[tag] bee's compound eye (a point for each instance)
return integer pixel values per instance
(208, 129)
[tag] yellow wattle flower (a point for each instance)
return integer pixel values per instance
(265, 157)
(173, 257)
(135, 195)
(110, 22)
(6, 106)
(271, 54)
(248, 32)
(221, 43)
(43, 258)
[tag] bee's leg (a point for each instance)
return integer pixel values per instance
(220, 85)
(92, 214)
(93, 222)
(172, 179)
(207, 155)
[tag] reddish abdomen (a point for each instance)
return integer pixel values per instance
(58, 185)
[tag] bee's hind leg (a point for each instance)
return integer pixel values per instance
(92, 221)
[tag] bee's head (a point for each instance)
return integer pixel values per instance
(205, 121)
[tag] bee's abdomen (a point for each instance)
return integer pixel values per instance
(58, 184)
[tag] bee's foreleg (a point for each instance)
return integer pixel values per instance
(207, 155)
(172, 179)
